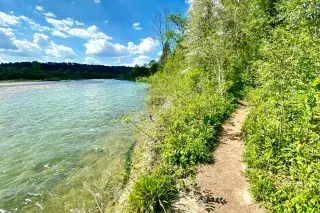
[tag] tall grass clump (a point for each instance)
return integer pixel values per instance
(152, 192)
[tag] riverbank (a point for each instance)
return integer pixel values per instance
(182, 133)
(226, 52)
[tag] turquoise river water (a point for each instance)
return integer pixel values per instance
(62, 142)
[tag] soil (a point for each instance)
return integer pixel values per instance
(223, 180)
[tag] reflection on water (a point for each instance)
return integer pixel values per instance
(60, 142)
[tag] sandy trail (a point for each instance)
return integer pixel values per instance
(224, 178)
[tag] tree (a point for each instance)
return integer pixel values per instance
(163, 28)
(153, 66)
(36, 66)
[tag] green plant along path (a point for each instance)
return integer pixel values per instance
(266, 51)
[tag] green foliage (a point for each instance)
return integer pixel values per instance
(282, 132)
(152, 193)
(141, 73)
(189, 126)
(153, 66)
(270, 48)
(36, 66)
(58, 71)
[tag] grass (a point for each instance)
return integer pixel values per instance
(152, 193)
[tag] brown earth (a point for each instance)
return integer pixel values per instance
(224, 178)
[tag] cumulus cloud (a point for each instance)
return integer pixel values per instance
(6, 20)
(33, 25)
(26, 49)
(79, 23)
(7, 39)
(66, 26)
(59, 34)
(137, 26)
(2, 60)
(61, 25)
(39, 8)
(146, 45)
(97, 1)
(91, 60)
(102, 47)
(58, 51)
(40, 45)
(141, 60)
(88, 33)
(49, 14)
(41, 40)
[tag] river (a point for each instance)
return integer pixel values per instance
(62, 143)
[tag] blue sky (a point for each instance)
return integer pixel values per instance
(108, 32)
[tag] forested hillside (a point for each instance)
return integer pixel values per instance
(264, 51)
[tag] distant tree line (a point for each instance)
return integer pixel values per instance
(52, 71)
(59, 71)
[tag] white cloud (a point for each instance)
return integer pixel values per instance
(91, 60)
(137, 26)
(17, 47)
(2, 60)
(40, 46)
(6, 20)
(49, 14)
(97, 1)
(102, 47)
(59, 51)
(59, 34)
(39, 8)
(79, 23)
(61, 25)
(65, 27)
(146, 45)
(41, 40)
(105, 21)
(26, 49)
(141, 60)
(118, 59)
(33, 25)
(89, 33)
(6, 39)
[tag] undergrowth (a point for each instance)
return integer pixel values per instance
(187, 114)
(266, 50)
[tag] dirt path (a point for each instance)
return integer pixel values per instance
(224, 178)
